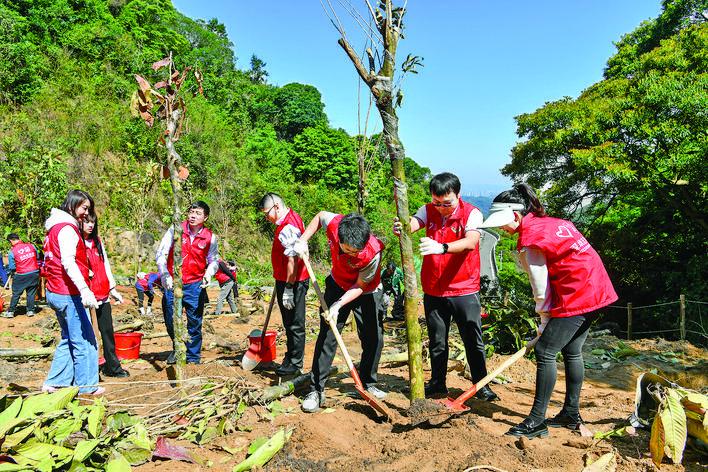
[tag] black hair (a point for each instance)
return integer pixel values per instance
(13, 237)
(93, 236)
(199, 204)
(354, 231)
(74, 199)
(231, 263)
(270, 199)
(444, 183)
(391, 266)
(522, 193)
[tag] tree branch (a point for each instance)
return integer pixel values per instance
(361, 70)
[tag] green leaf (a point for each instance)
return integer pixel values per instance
(140, 437)
(10, 412)
(119, 464)
(15, 439)
(673, 417)
(265, 452)
(47, 402)
(120, 420)
(258, 442)
(95, 417)
(135, 455)
(209, 433)
(84, 449)
(63, 428)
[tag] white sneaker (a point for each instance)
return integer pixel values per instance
(149, 311)
(7, 314)
(30, 314)
(313, 401)
(376, 392)
(142, 311)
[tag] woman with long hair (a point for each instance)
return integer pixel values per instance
(103, 286)
(569, 284)
(66, 269)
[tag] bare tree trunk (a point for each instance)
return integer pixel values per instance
(173, 160)
(381, 85)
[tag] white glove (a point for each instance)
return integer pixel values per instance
(430, 246)
(289, 298)
(116, 296)
(205, 282)
(544, 321)
(88, 299)
(397, 226)
(300, 248)
(331, 317)
(167, 282)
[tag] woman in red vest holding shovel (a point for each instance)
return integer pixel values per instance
(75, 359)
(569, 283)
(102, 285)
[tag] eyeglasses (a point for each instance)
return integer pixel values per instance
(444, 205)
(266, 213)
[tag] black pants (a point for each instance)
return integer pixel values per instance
(105, 327)
(294, 322)
(566, 335)
(370, 327)
(466, 311)
(141, 296)
(21, 283)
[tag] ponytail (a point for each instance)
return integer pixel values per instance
(522, 194)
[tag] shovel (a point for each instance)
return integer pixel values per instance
(253, 356)
(97, 335)
(457, 405)
(333, 326)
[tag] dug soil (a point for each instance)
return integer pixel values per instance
(347, 435)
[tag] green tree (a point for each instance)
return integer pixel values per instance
(326, 154)
(298, 107)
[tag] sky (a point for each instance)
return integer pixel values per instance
(485, 62)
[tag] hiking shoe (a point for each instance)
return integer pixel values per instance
(313, 401)
(287, 369)
(172, 358)
(120, 373)
(435, 389)
(529, 429)
(485, 394)
(7, 314)
(30, 314)
(376, 392)
(565, 420)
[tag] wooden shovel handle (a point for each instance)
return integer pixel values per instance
(96, 334)
(267, 319)
(332, 323)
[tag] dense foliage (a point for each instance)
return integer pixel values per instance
(66, 80)
(626, 159)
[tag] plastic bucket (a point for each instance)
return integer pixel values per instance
(128, 345)
(267, 351)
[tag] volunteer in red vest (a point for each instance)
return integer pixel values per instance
(145, 287)
(23, 261)
(351, 286)
(200, 255)
(103, 286)
(226, 276)
(450, 279)
(569, 283)
(75, 359)
(291, 279)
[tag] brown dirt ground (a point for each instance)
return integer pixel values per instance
(348, 436)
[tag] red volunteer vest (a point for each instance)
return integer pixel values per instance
(579, 281)
(222, 277)
(58, 280)
(346, 267)
(25, 258)
(98, 279)
(449, 275)
(277, 254)
(144, 281)
(194, 255)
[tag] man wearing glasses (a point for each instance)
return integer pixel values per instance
(351, 286)
(291, 279)
(450, 279)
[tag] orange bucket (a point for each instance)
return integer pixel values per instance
(128, 345)
(267, 351)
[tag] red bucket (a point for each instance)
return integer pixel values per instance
(267, 352)
(128, 345)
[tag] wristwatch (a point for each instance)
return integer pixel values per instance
(444, 245)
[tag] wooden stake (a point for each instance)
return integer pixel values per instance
(629, 320)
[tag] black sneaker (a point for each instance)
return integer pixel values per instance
(486, 394)
(529, 429)
(565, 420)
(435, 389)
(287, 369)
(121, 373)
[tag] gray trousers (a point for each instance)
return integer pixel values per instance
(226, 293)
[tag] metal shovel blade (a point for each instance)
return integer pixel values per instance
(250, 359)
(453, 405)
(373, 402)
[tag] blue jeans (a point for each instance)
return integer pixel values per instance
(76, 357)
(193, 303)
